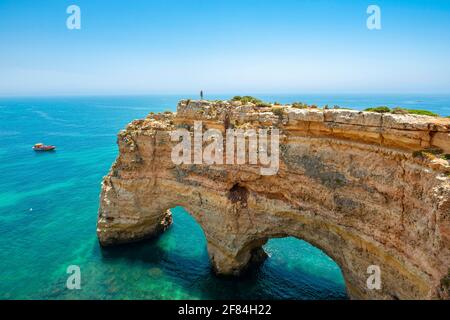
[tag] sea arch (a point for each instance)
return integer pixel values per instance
(281, 273)
(355, 185)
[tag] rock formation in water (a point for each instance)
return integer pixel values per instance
(366, 188)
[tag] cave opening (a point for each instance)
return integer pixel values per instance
(238, 193)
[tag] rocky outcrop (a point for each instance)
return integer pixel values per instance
(366, 188)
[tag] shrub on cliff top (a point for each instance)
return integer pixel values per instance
(381, 109)
(428, 153)
(278, 111)
(247, 99)
(299, 105)
(422, 112)
(434, 150)
(341, 108)
(399, 110)
(263, 105)
(422, 154)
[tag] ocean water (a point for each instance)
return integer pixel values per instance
(49, 203)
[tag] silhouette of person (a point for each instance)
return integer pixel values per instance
(201, 95)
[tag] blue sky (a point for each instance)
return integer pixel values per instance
(223, 46)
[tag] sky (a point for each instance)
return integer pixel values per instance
(223, 46)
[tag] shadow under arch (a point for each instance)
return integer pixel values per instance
(294, 269)
(303, 268)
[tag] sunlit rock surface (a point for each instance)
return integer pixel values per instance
(366, 188)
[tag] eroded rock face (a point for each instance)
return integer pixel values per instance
(355, 184)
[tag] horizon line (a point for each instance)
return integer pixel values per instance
(232, 94)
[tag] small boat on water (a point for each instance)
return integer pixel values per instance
(42, 147)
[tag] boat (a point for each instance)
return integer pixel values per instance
(43, 147)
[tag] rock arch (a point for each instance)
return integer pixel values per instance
(354, 184)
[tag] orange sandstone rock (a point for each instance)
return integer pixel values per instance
(352, 183)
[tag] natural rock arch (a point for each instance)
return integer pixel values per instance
(353, 184)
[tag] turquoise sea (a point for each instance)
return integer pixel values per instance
(49, 202)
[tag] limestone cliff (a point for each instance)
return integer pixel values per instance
(366, 188)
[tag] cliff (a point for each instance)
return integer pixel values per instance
(366, 188)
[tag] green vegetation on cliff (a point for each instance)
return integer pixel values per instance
(398, 110)
(419, 112)
(382, 109)
(301, 105)
(431, 153)
(247, 99)
(278, 111)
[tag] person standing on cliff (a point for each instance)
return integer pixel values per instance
(201, 94)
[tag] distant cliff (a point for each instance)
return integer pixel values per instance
(366, 188)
